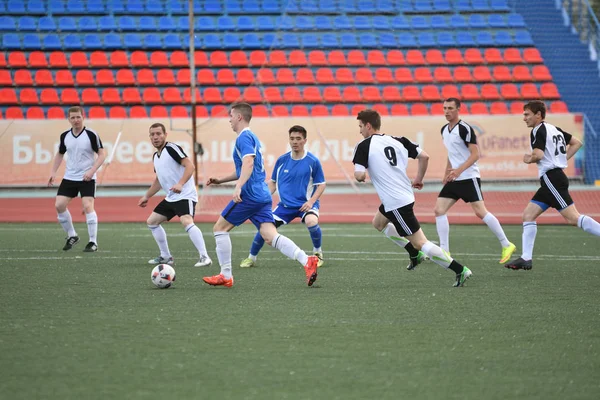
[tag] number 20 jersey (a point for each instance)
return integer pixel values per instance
(386, 158)
(553, 142)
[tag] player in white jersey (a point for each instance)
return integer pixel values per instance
(174, 174)
(298, 177)
(551, 149)
(385, 158)
(462, 179)
(85, 156)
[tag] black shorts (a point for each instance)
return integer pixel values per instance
(403, 219)
(554, 191)
(71, 189)
(467, 190)
(172, 208)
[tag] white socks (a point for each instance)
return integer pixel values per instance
(161, 240)
(92, 225)
(224, 252)
(529, 232)
(289, 249)
(436, 254)
(391, 233)
(443, 230)
(494, 225)
(67, 223)
(197, 238)
(589, 225)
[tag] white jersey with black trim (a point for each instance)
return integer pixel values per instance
(457, 142)
(168, 168)
(553, 142)
(81, 150)
(386, 158)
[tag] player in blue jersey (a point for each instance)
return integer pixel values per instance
(298, 177)
(251, 200)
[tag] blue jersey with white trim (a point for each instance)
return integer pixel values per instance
(297, 180)
(255, 189)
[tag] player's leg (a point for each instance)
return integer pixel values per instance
(195, 234)
(67, 191)
(444, 202)
(281, 216)
(534, 209)
(311, 219)
(160, 214)
(573, 217)
(383, 224)
(88, 193)
(492, 222)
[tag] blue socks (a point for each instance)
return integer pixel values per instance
(315, 235)
(257, 244)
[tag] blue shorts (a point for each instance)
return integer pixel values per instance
(257, 213)
(287, 215)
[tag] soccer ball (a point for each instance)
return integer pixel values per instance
(163, 276)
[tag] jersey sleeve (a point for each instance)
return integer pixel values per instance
(176, 152)
(540, 138)
(246, 146)
(94, 140)
(413, 149)
(361, 154)
(317, 172)
(62, 148)
(467, 134)
(567, 135)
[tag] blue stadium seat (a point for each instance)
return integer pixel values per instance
(26, 24)
(95, 7)
(516, 21)
(126, 24)
(442, 5)
(15, 7)
(46, 24)
(117, 6)
(11, 41)
(348, 41)
(107, 23)
(91, 41)
(132, 41)
(183, 24)
(330, 41)
(177, 7)
(154, 7)
(225, 24)
(499, 5)
(342, 23)
(309, 6)
(87, 24)
(305, 23)
(400, 22)
(327, 6)
(51, 42)
(366, 6)
(385, 6)
(484, 38)
(446, 39)
(166, 24)
(112, 41)
(204, 24)
(463, 5)
(211, 41)
(32, 42)
(271, 6)
(465, 39)
(407, 40)
(388, 40)
(419, 22)
(362, 22)
(290, 41)
(67, 24)
(36, 7)
(2, 7)
(381, 23)
(8, 24)
(152, 41)
(199, 10)
(271, 40)
(147, 24)
(251, 6)
(172, 41)
(477, 21)
(245, 23)
(72, 42)
(523, 38)
(233, 7)
(480, 5)
(310, 41)
(496, 21)
(503, 39)
(423, 6)
(73, 7)
(426, 39)
(134, 7)
(368, 40)
(457, 21)
(232, 41)
(439, 22)
(290, 7)
(265, 23)
(251, 41)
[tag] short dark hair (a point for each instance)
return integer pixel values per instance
(369, 116)
(158, 125)
(536, 106)
(243, 108)
(299, 129)
(454, 99)
(75, 109)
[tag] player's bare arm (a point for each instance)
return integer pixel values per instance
(187, 174)
(57, 161)
(154, 188)
(423, 159)
(447, 171)
(574, 146)
(311, 202)
(89, 174)
(218, 181)
(535, 156)
(245, 173)
(473, 157)
(272, 186)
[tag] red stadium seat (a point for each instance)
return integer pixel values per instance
(532, 56)
(549, 91)
(238, 58)
(98, 59)
(183, 77)
(69, 96)
(64, 77)
(117, 112)
(311, 94)
(454, 57)
(232, 95)
(187, 96)
(450, 91)
(225, 77)
(437, 109)
(375, 58)
(151, 95)
(512, 56)
(206, 77)
(49, 96)
(159, 59)
(403, 75)
(325, 76)
(258, 58)
(43, 77)
(431, 93)
(145, 77)
(481, 73)
(96, 112)
(339, 110)
(58, 59)
(304, 76)
(118, 59)
(371, 94)
(201, 60)
(292, 95)
(212, 95)
(201, 112)
(399, 110)
(297, 59)
(319, 111)
(395, 57)
(5, 78)
(501, 73)
(364, 75)
(138, 112)
(382, 109)
(521, 73)
(489, 91)
(179, 112)
(337, 58)
(419, 109)
(104, 77)
(541, 73)
(3, 64)
(273, 94)
(111, 96)
(219, 111)
(479, 108)
(159, 112)
(14, 113)
(415, 57)
(285, 76)
(85, 77)
(131, 95)
(332, 94)
(265, 76)
(384, 75)
(125, 77)
(78, 59)
(356, 58)
(434, 57)
(470, 92)
(17, 59)
(139, 59)
(300, 111)
(462, 74)
(277, 58)
(344, 76)
(179, 59)
(498, 107)
(317, 58)
(510, 91)
(357, 108)
(22, 77)
(529, 91)
(423, 75)
(391, 94)
(37, 59)
(165, 77)
(219, 59)
(443, 75)
(260, 111)
(493, 56)
(516, 107)
(56, 113)
(171, 95)
(473, 56)
(411, 93)
(557, 107)
(90, 96)
(280, 111)
(244, 76)
(35, 113)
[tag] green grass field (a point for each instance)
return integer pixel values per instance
(92, 326)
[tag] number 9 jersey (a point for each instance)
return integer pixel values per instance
(553, 142)
(386, 158)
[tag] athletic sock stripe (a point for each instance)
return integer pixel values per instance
(555, 193)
